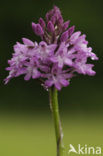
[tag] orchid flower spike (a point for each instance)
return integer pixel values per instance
(61, 53)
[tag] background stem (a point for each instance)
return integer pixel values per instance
(58, 129)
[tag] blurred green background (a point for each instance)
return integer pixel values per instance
(26, 126)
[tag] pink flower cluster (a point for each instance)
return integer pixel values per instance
(61, 53)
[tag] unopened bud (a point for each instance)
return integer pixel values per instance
(50, 27)
(38, 30)
(42, 23)
(64, 36)
(66, 25)
(71, 30)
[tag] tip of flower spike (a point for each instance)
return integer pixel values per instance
(56, 9)
(54, 15)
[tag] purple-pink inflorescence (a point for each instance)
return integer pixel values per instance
(61, 53)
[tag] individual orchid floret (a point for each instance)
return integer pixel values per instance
(62, 57)
(44, 51)
(58, 78)
(31, 70)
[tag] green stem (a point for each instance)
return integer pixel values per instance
(58, 129)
